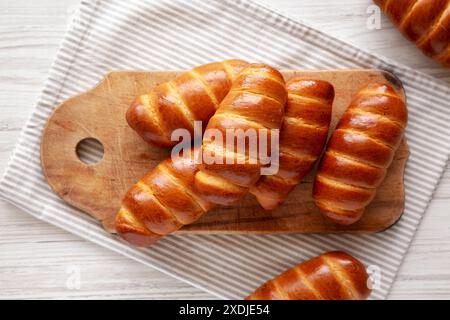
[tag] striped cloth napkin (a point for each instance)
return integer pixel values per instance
(163, 35)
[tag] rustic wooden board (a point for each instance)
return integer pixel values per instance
(97, 189)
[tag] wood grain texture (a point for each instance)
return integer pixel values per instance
(99, 113)
(34, 256)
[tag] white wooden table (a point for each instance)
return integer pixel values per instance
(38, 260)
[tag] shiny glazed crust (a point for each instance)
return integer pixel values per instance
(302, 138)
(425, 22)
(161, 202)
(331, 276)
(256, 101)
(359, 153)
(176, 192)
(193, 96)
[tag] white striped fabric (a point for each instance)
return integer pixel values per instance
(160, 35)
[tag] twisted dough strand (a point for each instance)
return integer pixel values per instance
(194, 95)
(359, 153)
(161, 202)
(255, 102)
(425, 22)
(331, 276)
(168, 197)
(303, 136)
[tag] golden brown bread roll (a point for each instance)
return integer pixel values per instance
(193, 96)
(331, 276)
(302, 138)
(173, 194)
(256, 102)
(161, 202)
(359, 153)
(425, 22)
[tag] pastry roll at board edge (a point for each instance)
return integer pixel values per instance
(194, 95)
(331, 276)
(161, 202)
(302, 138)
(359, 152)
(176, 192)
(425, 22)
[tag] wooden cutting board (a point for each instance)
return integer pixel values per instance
(97, 189)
